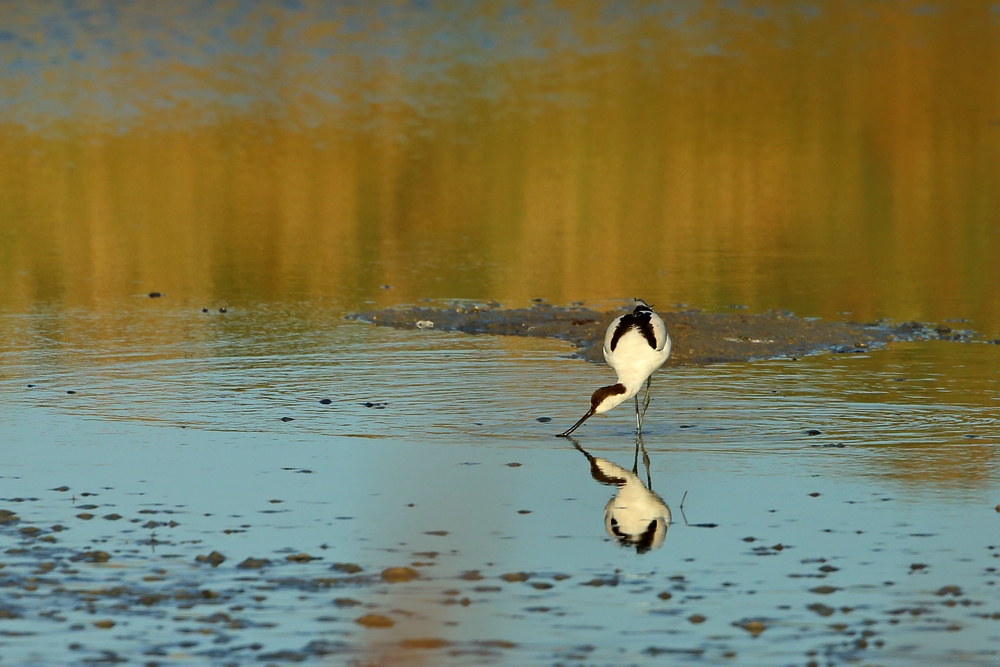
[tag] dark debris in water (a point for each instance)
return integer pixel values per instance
(698, 337)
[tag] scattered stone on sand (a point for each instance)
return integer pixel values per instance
(105, 624)
(665, 595)
(515, 577)
(252, 563)
(697, 618)
(6, 516)
(395, 575)
(471, 575)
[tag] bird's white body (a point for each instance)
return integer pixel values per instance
(635, 345)
(633, 358)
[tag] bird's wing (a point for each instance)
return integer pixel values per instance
(608, 336)
(659, 332)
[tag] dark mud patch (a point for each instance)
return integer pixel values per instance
(698, 337)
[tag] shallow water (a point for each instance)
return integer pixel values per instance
(904, 509)
(268, 168)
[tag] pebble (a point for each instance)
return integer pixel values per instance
(325, 401)
(375, 621)
(348, 568)
(155, 295)
(513, 577)
(253, 563)
(824, 590)
(696, 618)
(214, 559)
(395, 575)
(753, 627)
(424, 643)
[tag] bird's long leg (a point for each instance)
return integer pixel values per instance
(635, 462)
(638, 419)
(645, 402)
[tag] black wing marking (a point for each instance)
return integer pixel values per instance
(637, 319)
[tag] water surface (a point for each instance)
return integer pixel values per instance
(268, 168)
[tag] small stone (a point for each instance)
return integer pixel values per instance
(696, 618)
(253, 563)
(821, 609)
(515, 577)
(287, 419)
(753, 627)
(349, 568)
(61, 488)
(346, 602)
(215, 559)
(814, 431)
(104, 625)
(664, 595)
(518, 465)
(6, 516)
(325, 401)
(425, 643)
(375, 621)
(470, 575)
(395, 575)
(86, 516)
(91, 557)
(824, 590)
(814, 494)
(544, 420)
(155, 295)
(301, 558)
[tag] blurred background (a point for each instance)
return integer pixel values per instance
(818, 156)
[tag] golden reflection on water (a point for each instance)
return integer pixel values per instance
(843, 159)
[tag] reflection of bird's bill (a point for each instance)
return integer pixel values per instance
(565, 434)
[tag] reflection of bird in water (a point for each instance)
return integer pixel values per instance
(635, 516)
(635, 345)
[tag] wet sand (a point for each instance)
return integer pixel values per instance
(698, 337)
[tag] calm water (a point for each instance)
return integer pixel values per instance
(293, 161)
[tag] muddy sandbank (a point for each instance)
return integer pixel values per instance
(698, 337)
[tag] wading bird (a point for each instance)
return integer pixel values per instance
(635, 345)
